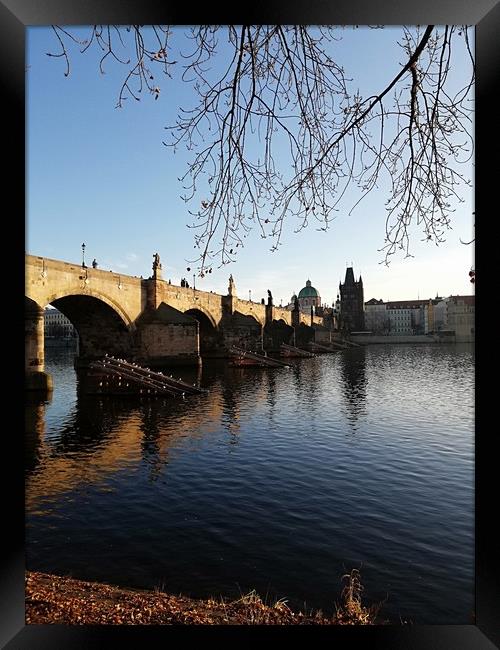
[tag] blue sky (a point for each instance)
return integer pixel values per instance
(101, 175)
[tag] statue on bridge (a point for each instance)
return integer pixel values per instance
(231, 290)
(269, 298)
(156, 266)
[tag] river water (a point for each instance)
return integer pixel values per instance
(280, 480)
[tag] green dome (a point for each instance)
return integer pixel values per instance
(308, 291)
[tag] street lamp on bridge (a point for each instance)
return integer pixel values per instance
(83, 256)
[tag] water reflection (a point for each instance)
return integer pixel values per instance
(150, 443)
(89, 426)
(100, 436)
(253, 483)
(230, 393)
(307, 379)
(34, 423)
(354, 384)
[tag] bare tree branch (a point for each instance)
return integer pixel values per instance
(263, 92)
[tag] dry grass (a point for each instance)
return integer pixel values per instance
(351, 611)
(61, 600)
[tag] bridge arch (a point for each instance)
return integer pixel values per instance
(203, 314)
(248, 318)
(243, 314)
(244, 330)
(208, 330)
(92, 294)
(101, 327)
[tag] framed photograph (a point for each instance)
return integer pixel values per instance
(249, 369)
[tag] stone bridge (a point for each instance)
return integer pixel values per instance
(150, 320)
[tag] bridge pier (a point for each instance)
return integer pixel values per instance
(276, 333)
(34, 358)
(167, 337)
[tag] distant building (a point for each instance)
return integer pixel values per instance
(407, 316)
(400, 321)
(434, 315)
(57, 325)
(308, 297)
(376, 317)
(352, 315)
(440, 314)
(461, 317)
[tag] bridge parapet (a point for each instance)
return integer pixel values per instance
(187, 298)
(283, 314)
(249, 308)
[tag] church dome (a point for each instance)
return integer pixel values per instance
(308, 291)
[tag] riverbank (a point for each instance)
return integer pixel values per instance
(52, 599)
(368, 339)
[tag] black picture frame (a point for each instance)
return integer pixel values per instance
(15, 17)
